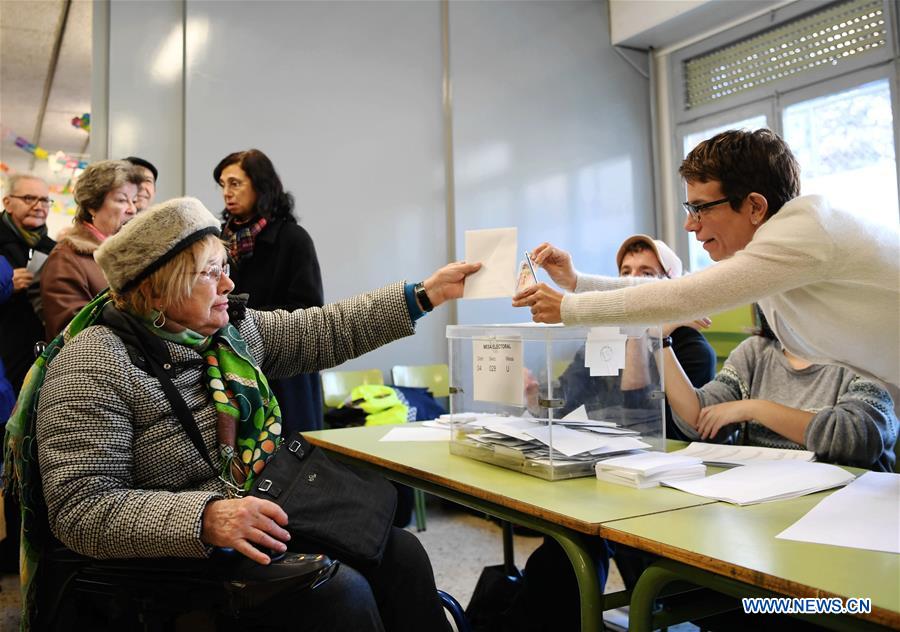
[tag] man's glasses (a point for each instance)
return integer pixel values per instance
(694, 209)
(214, 272)
(32, 200)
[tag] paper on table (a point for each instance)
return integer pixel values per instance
(769, 480)
(36, 262)
(416, 433)
(496, 249)
(497, 371)
(604, 351)
(863, 515)
(718, 454)
(648, 463)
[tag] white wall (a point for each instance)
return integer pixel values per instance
(551, 128)
(551, 134)
(145, 88)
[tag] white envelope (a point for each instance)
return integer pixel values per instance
(496, 249)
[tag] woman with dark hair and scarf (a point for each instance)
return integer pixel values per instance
(273, 259)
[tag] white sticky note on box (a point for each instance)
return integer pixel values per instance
(496, 249)
(497, 371)
(604, 351)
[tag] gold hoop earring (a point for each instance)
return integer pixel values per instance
(160, 320)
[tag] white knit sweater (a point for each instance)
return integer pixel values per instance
(828, 283)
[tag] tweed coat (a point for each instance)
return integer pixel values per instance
(121, 476)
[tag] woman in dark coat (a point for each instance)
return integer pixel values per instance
(273, 259)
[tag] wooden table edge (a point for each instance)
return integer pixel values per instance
(879, 615)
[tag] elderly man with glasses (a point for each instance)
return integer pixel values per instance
(23, 244)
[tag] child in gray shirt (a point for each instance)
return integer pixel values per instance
(765, 396)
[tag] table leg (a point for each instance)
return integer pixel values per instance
(590, 592)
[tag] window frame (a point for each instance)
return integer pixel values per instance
(772, 99)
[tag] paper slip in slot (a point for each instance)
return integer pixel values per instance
(604, 351)
(730, 455)
(648, 463)
(495, 249)
(417, 433)
(863, 515)
(761, 482)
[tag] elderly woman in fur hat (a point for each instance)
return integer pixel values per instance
(105, 193)
(122, 478)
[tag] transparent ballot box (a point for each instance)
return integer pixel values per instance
(550, 400)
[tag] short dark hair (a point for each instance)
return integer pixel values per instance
(746, 162)
(272, 201)
(140, 162)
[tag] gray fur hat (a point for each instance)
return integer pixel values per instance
(152, 239)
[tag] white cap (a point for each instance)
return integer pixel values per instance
(667, 258)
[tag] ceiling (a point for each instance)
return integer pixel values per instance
(29, 31)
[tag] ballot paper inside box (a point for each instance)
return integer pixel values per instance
(550, 400)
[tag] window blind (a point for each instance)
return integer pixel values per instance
(833, 35)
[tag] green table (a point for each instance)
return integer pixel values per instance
(734, 550)
(566, 510)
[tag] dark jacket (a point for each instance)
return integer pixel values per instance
(283, 273)
(20, 326)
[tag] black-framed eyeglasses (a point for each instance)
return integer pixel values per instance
(32, 200)
(694, 209)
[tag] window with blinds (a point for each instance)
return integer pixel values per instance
(832, 36)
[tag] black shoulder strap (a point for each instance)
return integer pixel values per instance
(178, 404)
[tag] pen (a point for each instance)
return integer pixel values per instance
(531, 265)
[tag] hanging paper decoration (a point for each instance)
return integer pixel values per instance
(61, 158)
(82, 122)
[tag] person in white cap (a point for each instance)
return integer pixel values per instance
(641, 256)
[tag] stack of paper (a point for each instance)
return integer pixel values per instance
(730, 455)
(761, 482)
(647, 469)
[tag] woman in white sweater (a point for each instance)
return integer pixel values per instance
(828, 283)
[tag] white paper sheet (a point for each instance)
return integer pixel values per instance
(863, 515)
(648, 463)
(497, 371)
(604, 351)
(496, 249)
(761, 482)
(416, 433)
(572, 442)
(36, 262)
(727, 455)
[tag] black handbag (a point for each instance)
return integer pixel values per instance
(332, 507)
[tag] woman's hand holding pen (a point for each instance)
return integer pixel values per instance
(557, 263)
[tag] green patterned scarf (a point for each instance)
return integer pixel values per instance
(248, 428)
(30, 237)
(248, 425)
